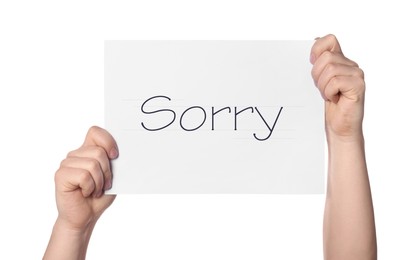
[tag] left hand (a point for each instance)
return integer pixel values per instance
(342, 86)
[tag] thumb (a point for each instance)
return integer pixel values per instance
(100, 137)
(327, 43)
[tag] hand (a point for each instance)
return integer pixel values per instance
(342, 86)
(82, 179)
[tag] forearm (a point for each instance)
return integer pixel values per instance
(67, 243)
(349, 226)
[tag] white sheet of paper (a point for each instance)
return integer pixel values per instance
(163, 102)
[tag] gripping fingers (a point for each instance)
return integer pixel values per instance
(99, 154)
(325, 60)
(331, 90)
(349, 86)
(97, 136)
(333, 70)
(91, 167)
(327, 43)
(70, 179)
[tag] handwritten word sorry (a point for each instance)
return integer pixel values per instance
(204, 114)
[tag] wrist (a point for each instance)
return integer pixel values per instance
(355, 137)
(76, 232)
(346, 148)
(75, 222)
(68, 242)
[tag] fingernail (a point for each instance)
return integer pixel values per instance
(312, 58)
(317, 38)
(98, 194)
(108, 185)
(113, 153)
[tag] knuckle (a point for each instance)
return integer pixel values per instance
(58, 175)
(334, 81)
(63, 163)
(99, 153)
(84, 176)
(328, 55)
(353, 63)
(71, 154)
(93, 131)
(359, 73)
(330, 68)
(93, 165)
(361, 85)
(314, 72)
(332, 37)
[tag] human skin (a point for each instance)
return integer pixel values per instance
(80, 183)
(349, 227)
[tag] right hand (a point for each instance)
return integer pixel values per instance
(82, 179)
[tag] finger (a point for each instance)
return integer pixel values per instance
(350, 87)
(90, 165)
(326, 58)
(331, 91)
(326, 43)
(70, 179)
(332, 70)
(99, 154)
(100, 137)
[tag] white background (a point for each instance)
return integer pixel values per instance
(51, 91)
